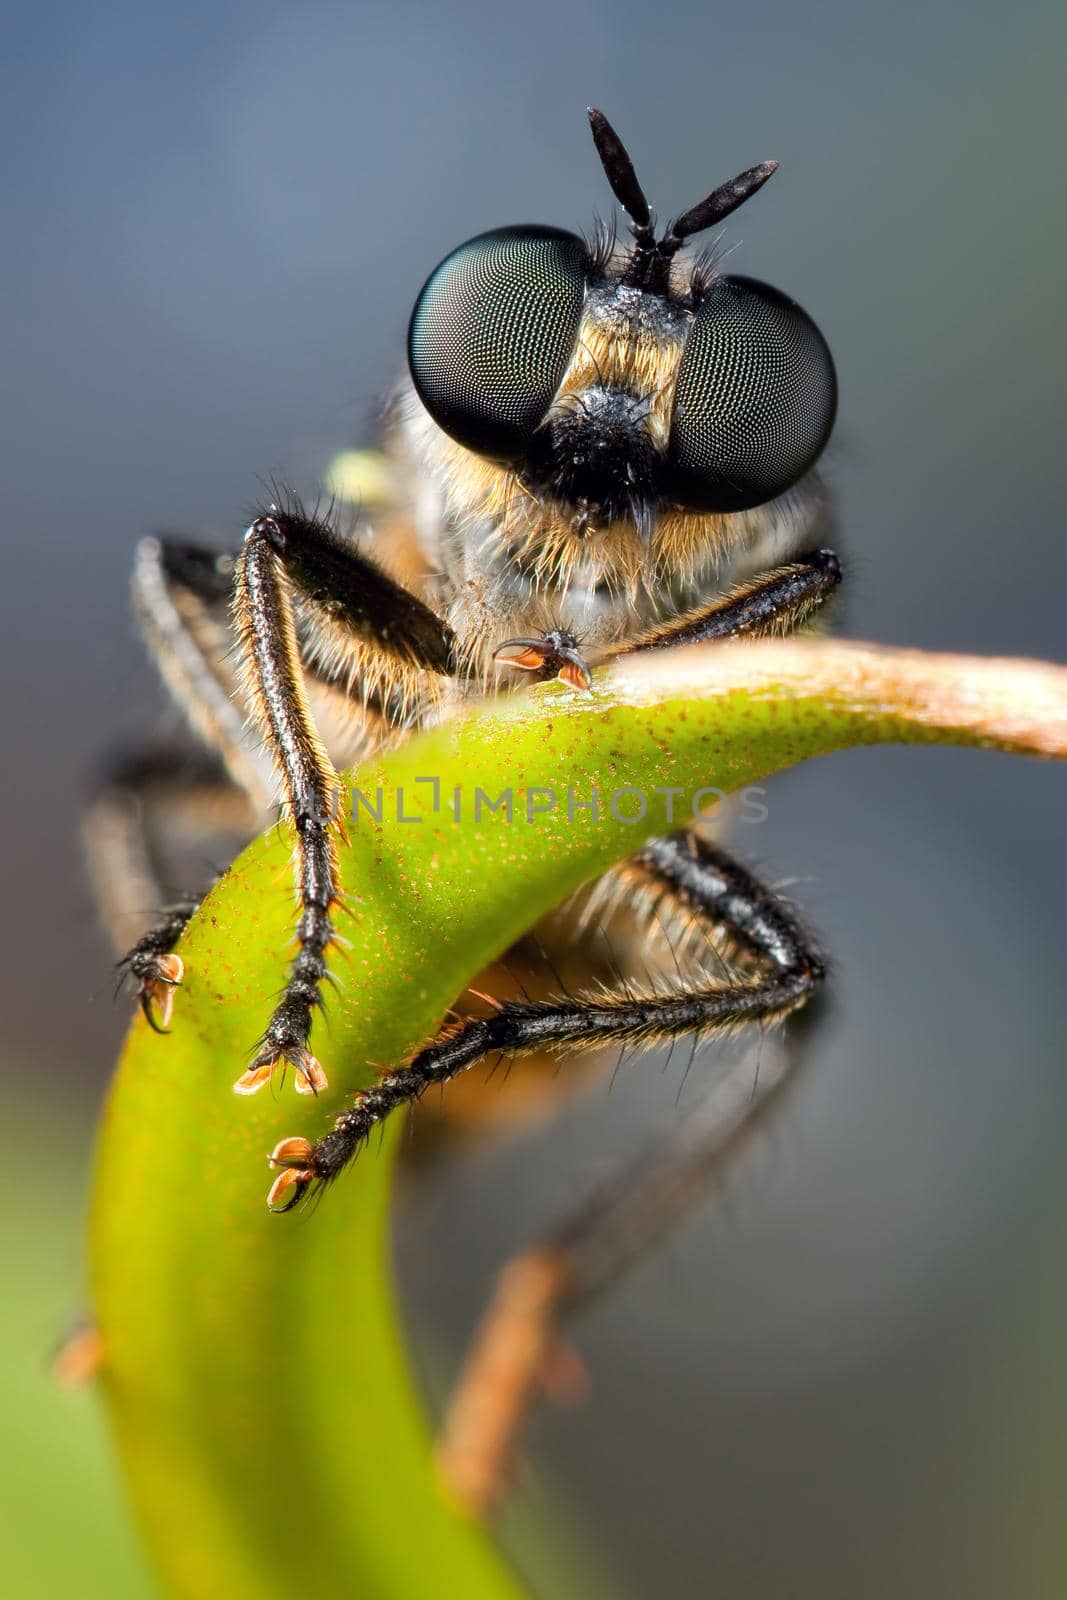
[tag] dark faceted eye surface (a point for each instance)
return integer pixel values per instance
(755, 399)
(493, 331)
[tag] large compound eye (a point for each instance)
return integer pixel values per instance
(493, 332)
(755, 399)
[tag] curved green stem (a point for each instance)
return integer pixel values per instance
(255, 1372)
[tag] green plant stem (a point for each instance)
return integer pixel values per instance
(258, 1383)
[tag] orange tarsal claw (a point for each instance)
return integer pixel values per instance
(80, 1359)
(158, 991)
(310, 1078)
(556, 655)
(294, 1157)
(251, 1081)
(516, 654)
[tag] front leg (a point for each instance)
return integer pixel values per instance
(285, 550)
(776, 602)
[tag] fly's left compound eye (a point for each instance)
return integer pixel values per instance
(754, 402)
(493, 332)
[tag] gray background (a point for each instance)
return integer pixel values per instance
(848, 1379)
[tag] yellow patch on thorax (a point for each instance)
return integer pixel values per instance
(618, 354)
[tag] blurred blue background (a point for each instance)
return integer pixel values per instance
(849, 1379)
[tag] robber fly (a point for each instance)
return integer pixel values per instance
(602, 448)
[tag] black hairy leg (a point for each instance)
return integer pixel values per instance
(288, 555)
(181, 596)
(701, 882)
(154, 967)
(775, 602)
(779, 601)
(125, 834)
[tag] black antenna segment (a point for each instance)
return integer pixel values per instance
(649, 266)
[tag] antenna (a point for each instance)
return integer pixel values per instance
(649, 266)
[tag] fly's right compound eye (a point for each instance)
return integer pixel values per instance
(493, 332)
(754, 402)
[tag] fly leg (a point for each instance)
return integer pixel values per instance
(290, 556)
(781, 601)
(701, 882)
(180, 594)
(519, 1352)
(777, 602)
(129, 832)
